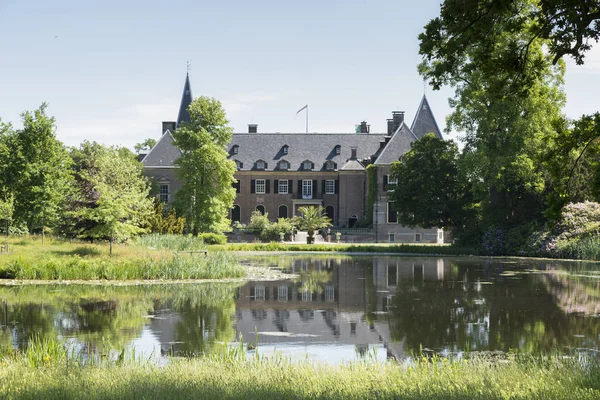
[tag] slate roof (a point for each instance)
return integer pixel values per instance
(353, 165)
(186, 100)
(397, 146)
(314, 147)
(163, 154)
(424, 121)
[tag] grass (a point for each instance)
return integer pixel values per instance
(47, 372)
(64, 260)
(351, 248)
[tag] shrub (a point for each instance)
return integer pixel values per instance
(268, 231)
(493, 242)
(213, 238)
(575, 234)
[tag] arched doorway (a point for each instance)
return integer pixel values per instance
(260, 208)
(236, 213)
(330, 212)
(352, 221)
(283, 211)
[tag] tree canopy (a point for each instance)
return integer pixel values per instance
(206, 195)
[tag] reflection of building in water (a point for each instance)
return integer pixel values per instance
(324, 305)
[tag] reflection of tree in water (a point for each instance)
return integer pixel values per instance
(280, 319)
(313, 280)
(509, 314)
(115, 315)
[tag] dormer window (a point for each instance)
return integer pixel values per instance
(284, 149)
(239, 165)
(307, 165)
(330, 165)
(260, 164)
(234, 149)
(338, 150)
(284, 165)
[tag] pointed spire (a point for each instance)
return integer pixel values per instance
(186, 100)
(424, 121)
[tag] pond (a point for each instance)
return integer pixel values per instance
(337, 308)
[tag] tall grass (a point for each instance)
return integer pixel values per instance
(170, 242)
(231, 376)
(215, 265)
(584, 249)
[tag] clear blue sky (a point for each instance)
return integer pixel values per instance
(111, 71)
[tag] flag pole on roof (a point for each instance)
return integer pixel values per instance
(302, 109)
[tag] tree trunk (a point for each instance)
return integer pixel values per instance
(110, 247)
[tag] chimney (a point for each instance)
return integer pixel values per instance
(168, 126)
(364, 128)
(353, 150)
(390, 126)
(252, 128)
(398, 118)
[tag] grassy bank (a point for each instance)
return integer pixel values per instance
(57, 259)
(351, 248)
(221, 378)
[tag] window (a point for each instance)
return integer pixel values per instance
(417, 237)
(392, 183)
(329, 187)
(330, 165)
(284, 149)
(261, 209)
(392, 237)
(236, 185)
(260, 186)
(282, 186)
(307, 189)
(284, 165)
(260, 164)
(329, 293)
(282, 293)
(338, 150)
(307, 165)
(441, 235)
(259, 293)
(392, 275)
(392, 215)
(239, 164)
(164, 193)
(236, 213)
(234, 149)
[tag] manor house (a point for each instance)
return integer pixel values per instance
(279, 172)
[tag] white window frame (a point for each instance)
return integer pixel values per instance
(283, 186)
(260, 164)
(307, 189)
(283, 164)
(307, 165)
(330, 186)
(259, 292)
(391, 182)
(260, 183)
(330, 293)
(162, 195)
(420, 236)
(392, 237)
(282, 293)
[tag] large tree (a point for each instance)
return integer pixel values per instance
(429, 192)
(508, 114)
(112, 200)
(206, 195)
(37, 171)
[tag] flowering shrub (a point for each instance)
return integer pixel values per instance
(576, 232)
(493, 242)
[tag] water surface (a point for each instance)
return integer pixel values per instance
(337, 309)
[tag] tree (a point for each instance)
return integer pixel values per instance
(146, 145)
(120, 190)
(165, 221)
(466, 30)
(38, 170)
(207, 193)
(6, 211)
(508, 115)
(311, 219)
(418, 201)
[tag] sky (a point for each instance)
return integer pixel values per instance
(112, 71)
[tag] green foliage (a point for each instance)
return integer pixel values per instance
(36, 170)
(418, 201)
(146, 145)
(207, 193)
(120, 203)
(163, 221)
(6, 210)
(212, 238)
(170, 242)
(311, 219)
(268, 231)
